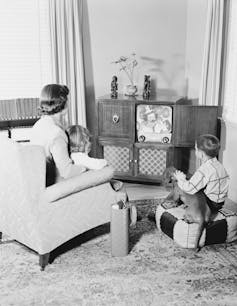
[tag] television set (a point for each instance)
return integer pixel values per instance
(154, 123)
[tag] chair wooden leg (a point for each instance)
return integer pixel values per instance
(43, 260)
(0, 237)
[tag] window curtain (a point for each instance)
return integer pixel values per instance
(230, 71)
(211, 66)
(25, 64)
(67, 54)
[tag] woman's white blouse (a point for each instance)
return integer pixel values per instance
(53, 138)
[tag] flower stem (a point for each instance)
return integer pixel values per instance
(125, 70)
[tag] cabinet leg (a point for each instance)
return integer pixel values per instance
(43, 260)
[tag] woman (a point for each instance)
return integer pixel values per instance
(49, 132)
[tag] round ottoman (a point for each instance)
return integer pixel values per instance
(169, 219)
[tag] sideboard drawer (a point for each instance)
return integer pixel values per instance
(116, 119)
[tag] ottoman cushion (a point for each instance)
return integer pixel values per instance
(170, 220)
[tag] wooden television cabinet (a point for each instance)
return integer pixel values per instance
(133, 160)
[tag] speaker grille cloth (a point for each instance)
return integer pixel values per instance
(117, 157)
(152, 161)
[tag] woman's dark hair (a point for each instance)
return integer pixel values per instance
(53, 99)
(209, 144)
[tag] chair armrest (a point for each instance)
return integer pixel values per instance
(78, 183)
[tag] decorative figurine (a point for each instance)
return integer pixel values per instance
(147, 87)
(114, 87)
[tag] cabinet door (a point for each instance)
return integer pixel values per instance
(192, 121)
(116, 119)
(151, 160)
(119, 156)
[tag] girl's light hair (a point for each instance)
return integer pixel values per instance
(79, 136)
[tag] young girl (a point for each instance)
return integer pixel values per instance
(80, 146)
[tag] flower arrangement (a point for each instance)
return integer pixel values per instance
(127, 64)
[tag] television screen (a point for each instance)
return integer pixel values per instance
(154, 123)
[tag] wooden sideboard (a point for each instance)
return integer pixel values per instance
(135, 157)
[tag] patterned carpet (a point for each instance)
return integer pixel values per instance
(156, 271)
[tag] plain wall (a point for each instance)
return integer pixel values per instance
(228, 154)
(154, 29)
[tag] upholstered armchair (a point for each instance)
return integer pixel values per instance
(43, 218)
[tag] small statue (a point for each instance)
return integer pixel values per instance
(147, 87)
(114, 87)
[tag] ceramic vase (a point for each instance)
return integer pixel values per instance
(131, 90)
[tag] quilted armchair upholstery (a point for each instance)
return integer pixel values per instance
(43, 218)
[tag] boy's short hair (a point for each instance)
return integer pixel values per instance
(209, 144)
(78, 136)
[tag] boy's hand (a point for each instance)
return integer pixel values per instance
(179, 175)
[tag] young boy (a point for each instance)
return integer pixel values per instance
(80, 146)
(211, 176)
